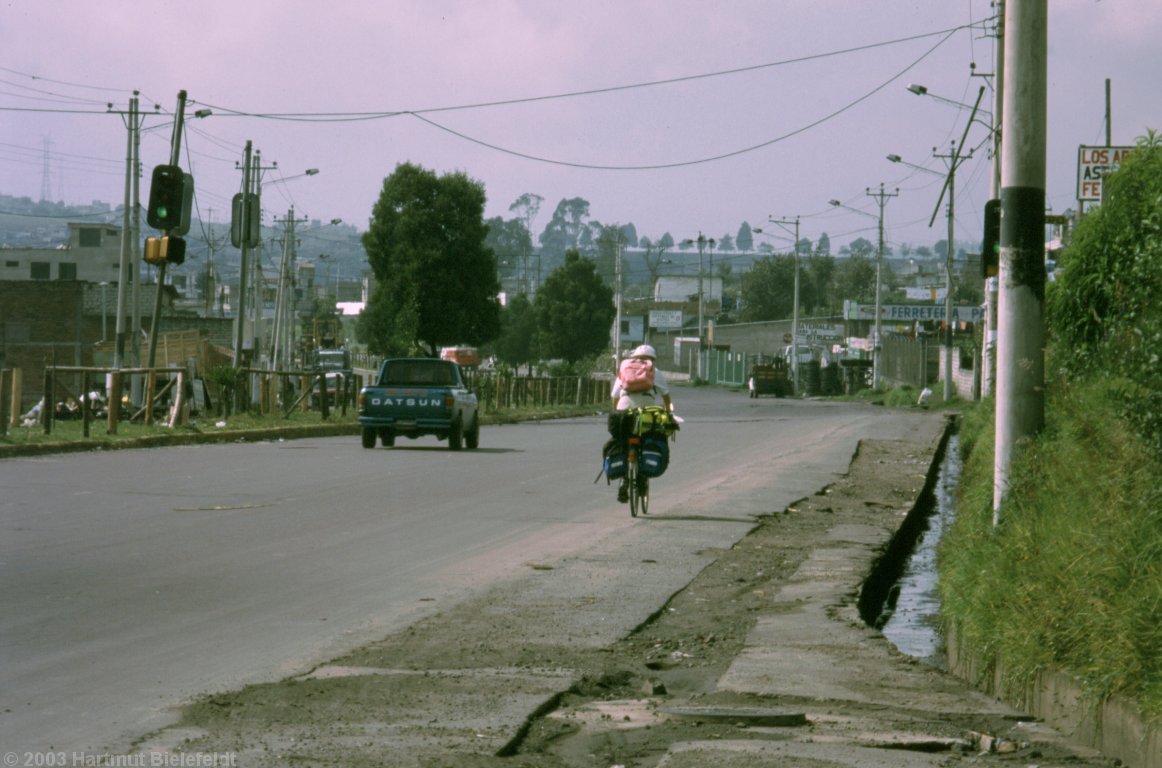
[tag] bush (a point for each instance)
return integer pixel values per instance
(1072, 577)
(1104, 310)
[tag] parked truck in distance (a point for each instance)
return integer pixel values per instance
(412, 397)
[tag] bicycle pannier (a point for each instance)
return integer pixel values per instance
(613, 459)
(655, 456)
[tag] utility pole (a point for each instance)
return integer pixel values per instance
(280, 349)
(127, 236)
(174, 158)
(244, 246)
(1020, 411)
(795, 310)
(881, 199)
(989, 358)
(953, 159)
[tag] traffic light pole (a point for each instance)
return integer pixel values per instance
(174, 157)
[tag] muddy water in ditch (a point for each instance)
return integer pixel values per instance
(912, 626)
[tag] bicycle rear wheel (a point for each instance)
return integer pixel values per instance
(633, 485)
(643, 494)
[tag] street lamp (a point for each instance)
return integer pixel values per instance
(954, 158)
(701, 242)
(882, 200)
(795, 311)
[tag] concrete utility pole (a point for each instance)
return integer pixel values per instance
(881, 199)
(280, 349)
(127, 237)
(244, 246)
(795, 309)
(1021, 333)
(989, 358)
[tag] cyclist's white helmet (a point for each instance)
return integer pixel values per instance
(645, 350)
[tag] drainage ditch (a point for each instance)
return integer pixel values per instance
(900, 597)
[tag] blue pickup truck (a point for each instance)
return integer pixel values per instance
(419, 396)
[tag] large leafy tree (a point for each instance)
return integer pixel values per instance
(436, 278)
(517, 344)
(768, 290)
(569, 228)
(574, 310)
(855, 278)
(512, 246)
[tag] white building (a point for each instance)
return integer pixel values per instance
(92, 254)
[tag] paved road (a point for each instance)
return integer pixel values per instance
(133, 580)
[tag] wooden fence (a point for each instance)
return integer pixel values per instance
(497, 392)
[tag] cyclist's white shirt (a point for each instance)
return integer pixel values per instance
(627, 400)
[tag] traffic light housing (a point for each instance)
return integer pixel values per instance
(165, 250)
(166, 197)
(250, 230)
(990, 249)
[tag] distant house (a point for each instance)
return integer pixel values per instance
(91, 254)
(685, 288)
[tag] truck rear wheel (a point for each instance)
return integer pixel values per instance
(472, 437)
(367, 437)
(456, 436)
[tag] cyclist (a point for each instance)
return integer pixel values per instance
(628, 392)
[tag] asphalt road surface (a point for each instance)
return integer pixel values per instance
(133, 580)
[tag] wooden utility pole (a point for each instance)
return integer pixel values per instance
(1020, 311)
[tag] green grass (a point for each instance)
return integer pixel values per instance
(1071, 579)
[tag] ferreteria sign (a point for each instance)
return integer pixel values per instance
(906, 313)
(1093, 165)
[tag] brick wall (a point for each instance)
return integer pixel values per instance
(42, 323)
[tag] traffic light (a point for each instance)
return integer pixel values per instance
(253, 225)
(166, 197)
(165, 250)
(153, 254)
(990, 249)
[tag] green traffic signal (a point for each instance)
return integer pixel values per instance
(166, 191)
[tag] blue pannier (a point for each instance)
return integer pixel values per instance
(614, 460)
(655, 456)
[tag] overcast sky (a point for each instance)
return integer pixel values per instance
(680, 117)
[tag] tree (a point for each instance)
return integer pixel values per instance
(745, 238)
(768, 290)
(823, 245)
(567, 229)
(855, 278)
(436, 278)
(512, 246)
(574, 310)
(517, 344)
(526, 207)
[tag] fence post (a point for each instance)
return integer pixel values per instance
(46, 411)
(5, 399)
(113, 401)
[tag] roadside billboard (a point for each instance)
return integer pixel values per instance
(1093, 165)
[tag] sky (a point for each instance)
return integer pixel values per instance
(682, 116)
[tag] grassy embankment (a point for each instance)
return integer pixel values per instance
(1071, 578)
